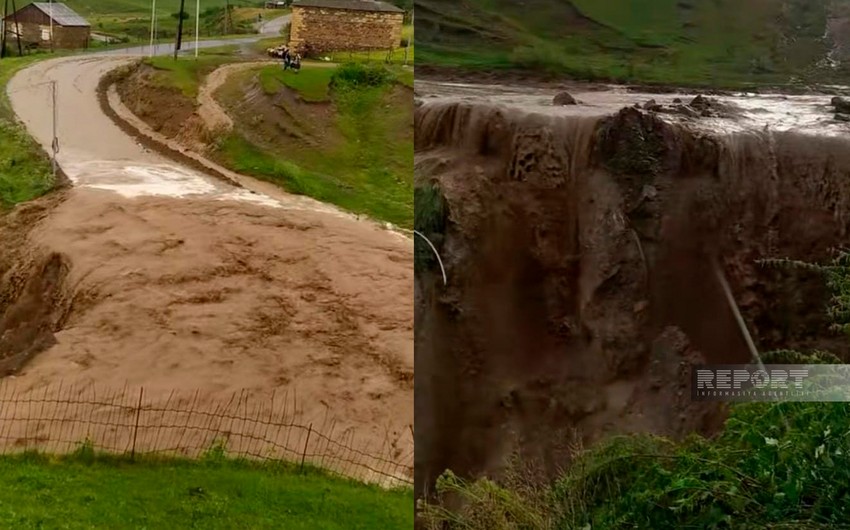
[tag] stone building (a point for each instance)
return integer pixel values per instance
(32, 22)
(320, 26)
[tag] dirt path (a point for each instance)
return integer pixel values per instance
(213, 115)
(177, 280)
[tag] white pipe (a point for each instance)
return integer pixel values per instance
(197, 25)
(443, 269)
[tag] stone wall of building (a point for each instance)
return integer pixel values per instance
(320, 30)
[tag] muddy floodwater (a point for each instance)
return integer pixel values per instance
(805, 113)
(582, 245)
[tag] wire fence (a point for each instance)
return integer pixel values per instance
(61, 419)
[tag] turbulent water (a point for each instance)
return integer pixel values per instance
(579, 249)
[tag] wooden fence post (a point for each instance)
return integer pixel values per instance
(136, 428)
(304, 454)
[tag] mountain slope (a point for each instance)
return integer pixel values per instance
(705, 42)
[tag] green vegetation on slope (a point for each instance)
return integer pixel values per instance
(364, 162)
(187, 75)
(774, 465)
(25, 171)
(695, 42)
(313, 84)
(88, 491)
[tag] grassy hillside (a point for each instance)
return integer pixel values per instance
(345, 139)
(24, 168)
(86, 490)
(701, 42)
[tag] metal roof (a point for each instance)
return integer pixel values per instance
(62, 14)
(351, 5)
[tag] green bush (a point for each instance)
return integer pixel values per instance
(430, 214)
(361, 75)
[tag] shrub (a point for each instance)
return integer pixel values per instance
(360, 75)
(430, 215)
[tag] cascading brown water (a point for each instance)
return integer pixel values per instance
(578, 250)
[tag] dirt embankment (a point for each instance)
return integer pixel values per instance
(579, 255)
(34, 298)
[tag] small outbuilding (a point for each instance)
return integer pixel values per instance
(32, 23)
(320, 26)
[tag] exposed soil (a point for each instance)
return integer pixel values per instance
(282, 121)
(579, 253)
(215, 118)
(33, 297)
(165, 109)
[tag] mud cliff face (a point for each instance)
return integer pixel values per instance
(579, 254)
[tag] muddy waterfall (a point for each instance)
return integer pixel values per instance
(580, 253)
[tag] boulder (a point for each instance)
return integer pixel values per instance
(700, 103)
(652, 105)
(563, 98)
(841, 104)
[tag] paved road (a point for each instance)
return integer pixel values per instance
(168, 48)
(274, 26)
(96, 153)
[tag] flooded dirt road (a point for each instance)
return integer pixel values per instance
(152, 274)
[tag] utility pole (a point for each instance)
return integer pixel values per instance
(17, 28)
(153, 24)
(226, 15)
(407, 48)
(51, 27)
(3, 29)
(197, 25)
(55, 144)
(179, 29)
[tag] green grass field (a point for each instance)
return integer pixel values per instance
(685, 42)
(85, 491)
(313, 83)
(369, 171)
(130, 19)
(24, 168)
(187, 74)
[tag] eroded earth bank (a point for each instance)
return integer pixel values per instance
(580, 243)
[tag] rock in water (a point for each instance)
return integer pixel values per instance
(563, 98)
(652, 105)
(700, 103)
(841, 104)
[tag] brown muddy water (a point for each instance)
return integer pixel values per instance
(579, 244)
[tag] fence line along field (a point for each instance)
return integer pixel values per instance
(60, 419)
